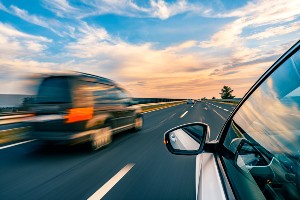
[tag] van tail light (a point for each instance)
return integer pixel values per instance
(79, 114)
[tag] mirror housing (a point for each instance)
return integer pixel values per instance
(187, 139)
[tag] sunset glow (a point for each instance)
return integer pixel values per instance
(155, 48)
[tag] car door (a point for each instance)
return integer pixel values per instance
(127, 113)
(259, 149)
(108, 103)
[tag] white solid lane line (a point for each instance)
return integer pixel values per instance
(109, 184)
(219, 115)
(11, 145)
(183, 114)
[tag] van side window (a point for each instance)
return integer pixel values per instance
(105, 93)
(83, 94)
(54, 89)
(123, 94)
(267, 163)
(112, 94)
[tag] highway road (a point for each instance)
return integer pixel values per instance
(136, 165)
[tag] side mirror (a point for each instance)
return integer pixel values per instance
(187, 139)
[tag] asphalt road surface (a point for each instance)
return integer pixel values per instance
(136, 165)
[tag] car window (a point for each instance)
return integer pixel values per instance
(267, 165)
(83, 90)
(113, 93)
(123, 94)
(105, 93)
(54, 90)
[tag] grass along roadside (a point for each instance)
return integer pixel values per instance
(12, 135)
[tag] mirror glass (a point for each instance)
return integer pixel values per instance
(187, 138)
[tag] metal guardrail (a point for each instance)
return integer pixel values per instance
(16, 118)
(155, 100)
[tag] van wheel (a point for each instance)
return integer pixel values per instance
(138, 123)
(100, 138)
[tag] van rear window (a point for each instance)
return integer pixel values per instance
(54, 90)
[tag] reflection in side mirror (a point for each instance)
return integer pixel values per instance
(187, 139)
(184, 139)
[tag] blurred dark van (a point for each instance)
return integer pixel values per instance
(82, 108)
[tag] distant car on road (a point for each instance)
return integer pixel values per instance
(189, 101)
(256, 155)
(82, 108)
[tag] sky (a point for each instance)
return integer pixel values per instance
(154, 48)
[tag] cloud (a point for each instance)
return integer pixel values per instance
(61, 8)
(245, 39)
(156, 8)
(14, 43)
(53, 25)
(16, 74)
(150, 72)
(163, 10)
(130, 64)
(183, 46)
(252, 15)
(10, 31)
(258, 12)
(18, 54)
(276, 31)
(227, 37)
(95, 43)
(233, 55)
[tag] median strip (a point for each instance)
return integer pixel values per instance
(101, 192)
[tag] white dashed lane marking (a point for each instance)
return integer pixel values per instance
(101, 192)
(183, 114)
